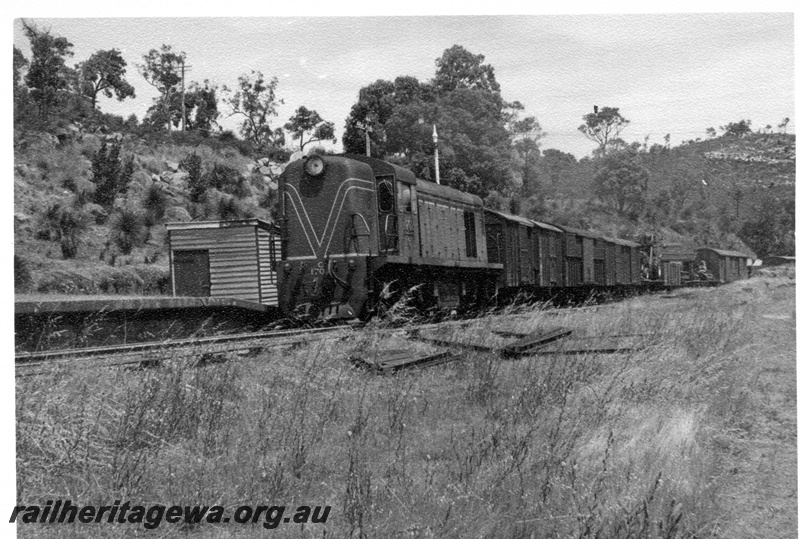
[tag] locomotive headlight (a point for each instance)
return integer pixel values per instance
(315, 166)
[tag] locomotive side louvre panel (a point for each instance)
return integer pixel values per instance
(451, 230)
(405, 224)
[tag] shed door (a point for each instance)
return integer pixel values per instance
(192, 274)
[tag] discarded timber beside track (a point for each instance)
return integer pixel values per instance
(524, 344)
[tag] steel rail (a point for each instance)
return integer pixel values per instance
(138, 353)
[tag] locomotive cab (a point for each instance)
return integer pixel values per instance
(338, 214)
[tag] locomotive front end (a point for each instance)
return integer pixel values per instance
(327, 237)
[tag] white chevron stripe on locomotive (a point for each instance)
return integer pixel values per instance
(338, 203)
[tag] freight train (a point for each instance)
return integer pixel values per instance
(357, 231)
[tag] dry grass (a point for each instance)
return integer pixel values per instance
(663, 442)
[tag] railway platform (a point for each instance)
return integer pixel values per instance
(63, 322)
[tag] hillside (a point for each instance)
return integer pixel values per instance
(723, 192)
(120, 246)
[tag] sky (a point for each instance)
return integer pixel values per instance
(672, 73)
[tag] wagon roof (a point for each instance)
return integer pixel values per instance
(722, 252)
(626, 243)
(509, 217)
(546, 226)
(578, 232)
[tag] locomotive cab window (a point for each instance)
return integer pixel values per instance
(385, 196)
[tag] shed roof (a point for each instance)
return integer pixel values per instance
(194, 225)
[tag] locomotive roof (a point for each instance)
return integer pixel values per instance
(381, 167)
(448, 193)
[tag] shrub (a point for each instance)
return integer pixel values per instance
(127, 230)
(65, 225)
(154, 204)
(110, 174)
(66, 282)
(155, 279)
(228, 179)
(197, 182)
(228, 208)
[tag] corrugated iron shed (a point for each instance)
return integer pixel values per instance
(231, 259)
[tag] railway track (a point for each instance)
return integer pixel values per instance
(27, 363)
(389, 360)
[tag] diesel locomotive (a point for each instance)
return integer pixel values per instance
(356, 229)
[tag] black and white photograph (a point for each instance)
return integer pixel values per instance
(334, 272)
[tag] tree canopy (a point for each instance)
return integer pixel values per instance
(473, 122)
(104, 72)
(621, 180)
(737, 129)
(162, 70)
(309, 122)
(255, 99)
(603, 126)
(47, 73)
